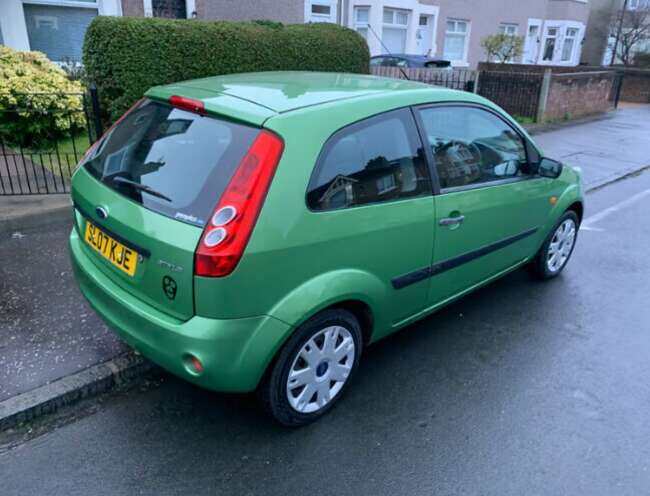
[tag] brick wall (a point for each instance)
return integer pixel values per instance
(578, 94)
(636, 86)
(133, 8)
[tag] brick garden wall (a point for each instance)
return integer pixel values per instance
(575, 95)
(636, 86)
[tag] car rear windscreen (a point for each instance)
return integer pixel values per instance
(171, 161)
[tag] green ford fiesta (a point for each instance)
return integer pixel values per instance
(257, 231)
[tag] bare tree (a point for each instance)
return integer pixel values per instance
(633, 27)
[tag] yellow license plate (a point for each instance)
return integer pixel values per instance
(115, 252)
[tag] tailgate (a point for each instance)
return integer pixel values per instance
(163, 266)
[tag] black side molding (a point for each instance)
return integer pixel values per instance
(451, 263)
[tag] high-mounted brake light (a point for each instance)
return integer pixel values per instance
(227, 232)
(188, 104)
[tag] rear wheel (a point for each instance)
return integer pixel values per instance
(558, 247)
(313, 368)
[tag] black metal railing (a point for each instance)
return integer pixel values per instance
(42, 138)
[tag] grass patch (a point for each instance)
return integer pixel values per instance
(523, 120)
(60, 159)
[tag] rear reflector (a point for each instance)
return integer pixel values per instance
(243, 198)
(188, 104)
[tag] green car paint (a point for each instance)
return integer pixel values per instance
(393, 260)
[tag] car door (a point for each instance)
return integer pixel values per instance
(488, 206)
(371, 190)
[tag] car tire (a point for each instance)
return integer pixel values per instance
(313, 368)
(559, 244)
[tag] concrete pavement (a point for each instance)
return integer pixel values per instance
(605, 148)
(523, 388)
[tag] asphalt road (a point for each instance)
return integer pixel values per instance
(521, 388)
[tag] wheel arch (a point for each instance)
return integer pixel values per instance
(578, 208)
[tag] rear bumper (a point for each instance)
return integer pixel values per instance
(234, 352)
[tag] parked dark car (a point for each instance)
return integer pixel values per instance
(410, 61)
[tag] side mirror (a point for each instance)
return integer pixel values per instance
(549, 168)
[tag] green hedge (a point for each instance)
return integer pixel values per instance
(125, 56)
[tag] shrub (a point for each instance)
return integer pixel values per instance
(642, 59)
(502, 47)
(36, 106)
(126, 56)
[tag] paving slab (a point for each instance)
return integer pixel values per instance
(605, 149)
(47, 330)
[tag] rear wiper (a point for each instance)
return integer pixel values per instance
(141, 187)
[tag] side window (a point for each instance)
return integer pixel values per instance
(472, 146)
(377, 160)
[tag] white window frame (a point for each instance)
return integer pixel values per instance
(548, 36)
(361, 24)
(562, 26)
(375, 23)
(311, 17)
(566, 37)
(503, 28)
(468, 28)
(394, 25)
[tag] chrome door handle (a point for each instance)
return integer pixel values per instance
(452, 221)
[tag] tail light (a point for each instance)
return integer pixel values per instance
(228, 230)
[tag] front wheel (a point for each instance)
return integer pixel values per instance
(313, 368)
(558, 247)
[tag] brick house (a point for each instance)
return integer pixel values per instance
(553, 30)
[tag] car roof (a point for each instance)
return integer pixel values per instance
(254, 97)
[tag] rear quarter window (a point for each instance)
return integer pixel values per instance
(376, 160)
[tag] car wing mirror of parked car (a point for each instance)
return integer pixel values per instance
(549, 168)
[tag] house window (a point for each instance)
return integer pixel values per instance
(509, 29)
(57, 31)
(569, 44)
(361, 19)
(424, 20)
(456, 37)
(549, 43)
(321, 11)
(394, 32)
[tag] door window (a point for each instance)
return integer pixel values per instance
(376, 160)
(472, 146)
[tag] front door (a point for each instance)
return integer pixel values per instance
(424, 35)
(489, 209)
(533, 39)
